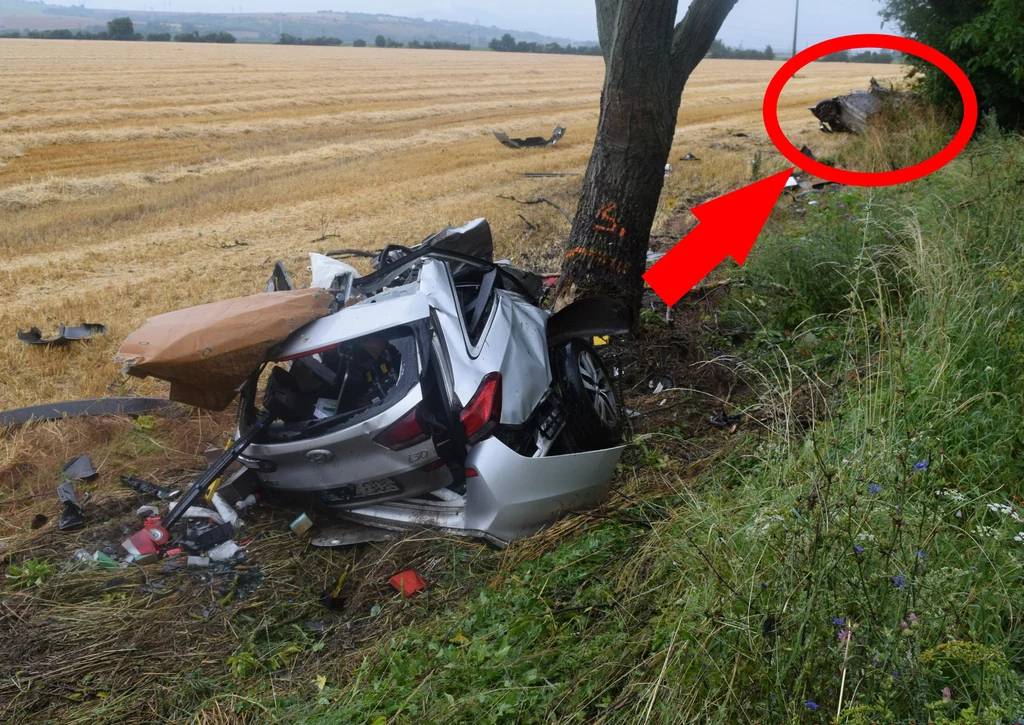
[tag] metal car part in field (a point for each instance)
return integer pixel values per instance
(510, 497)
(64, 334)
(531, 141)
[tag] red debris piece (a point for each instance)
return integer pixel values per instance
(408, 582)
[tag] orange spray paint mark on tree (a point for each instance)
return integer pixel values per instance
(607, 213)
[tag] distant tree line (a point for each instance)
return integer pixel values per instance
(438, 45)
(508, 44)
(721, 50)
(120, 29)
(287, 39)
(844, 56)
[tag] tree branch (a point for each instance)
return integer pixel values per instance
(693, 36)
(540, 200)
(607, 22)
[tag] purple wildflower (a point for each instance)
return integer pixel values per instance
(947, 694)
(898, 581)
(903, 624)
(912, 617)
(811, 705)
(843, 635)
(921, 554)
(921, 465)
(873, 489)
(838, 620)
(858, 549)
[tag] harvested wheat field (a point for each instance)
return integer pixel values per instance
(137, 178)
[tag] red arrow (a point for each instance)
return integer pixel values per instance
(729, 226)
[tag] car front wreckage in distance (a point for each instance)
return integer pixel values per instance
(434, 391)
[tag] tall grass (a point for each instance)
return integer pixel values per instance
(865, 570)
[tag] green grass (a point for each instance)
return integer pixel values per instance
(867, 569)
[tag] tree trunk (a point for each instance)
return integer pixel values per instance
(647, 64)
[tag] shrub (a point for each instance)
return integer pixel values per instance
(359, 43)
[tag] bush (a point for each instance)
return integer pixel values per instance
(984, 37)
(381, 41)
(159, 37)
(9, 34)
(359, 43)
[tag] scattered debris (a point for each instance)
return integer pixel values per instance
(723, 420)
(547, 175)
(64, 334)
(668, 169)
(806, 151)
(660, 383)
(201, 561)
(301, 525)
(332, 598)
(79, 469)
(530, 142)
(147, 512)
(279, 279)
(408, 582)
(792, 183)
(740, 134)
(71, 517)
(202, 536)
(83, 408)
(147, 488)
(224, 551)
(350, 535)
(39, 521)
(539, 200)
(689, 157)
(851, 113)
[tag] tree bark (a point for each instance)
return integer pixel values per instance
(648, 60)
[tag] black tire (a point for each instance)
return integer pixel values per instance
(594, 415)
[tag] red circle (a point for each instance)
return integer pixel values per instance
(861, 178)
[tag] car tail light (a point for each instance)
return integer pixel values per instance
(403, 433)
(483, 413)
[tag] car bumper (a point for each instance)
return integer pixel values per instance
(511, 497)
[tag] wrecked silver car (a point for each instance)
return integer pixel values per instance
(441, 394)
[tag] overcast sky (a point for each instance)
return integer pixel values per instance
(754, 23)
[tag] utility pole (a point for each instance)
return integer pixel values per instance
(796, 24)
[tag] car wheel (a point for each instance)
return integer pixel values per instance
(594, 415)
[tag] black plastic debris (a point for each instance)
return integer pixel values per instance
(202, 536)
(64, 335)
(723, 420)
(83, 408)
(79, 469)
(531, 141)
(71, 517)
(140, 485)
(39, 521)
(806, 151)
(544, 175)
(689, 157)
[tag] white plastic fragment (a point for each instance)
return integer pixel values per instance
(226, 511)
(327, 269)
(223, 551)
(198, 512)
